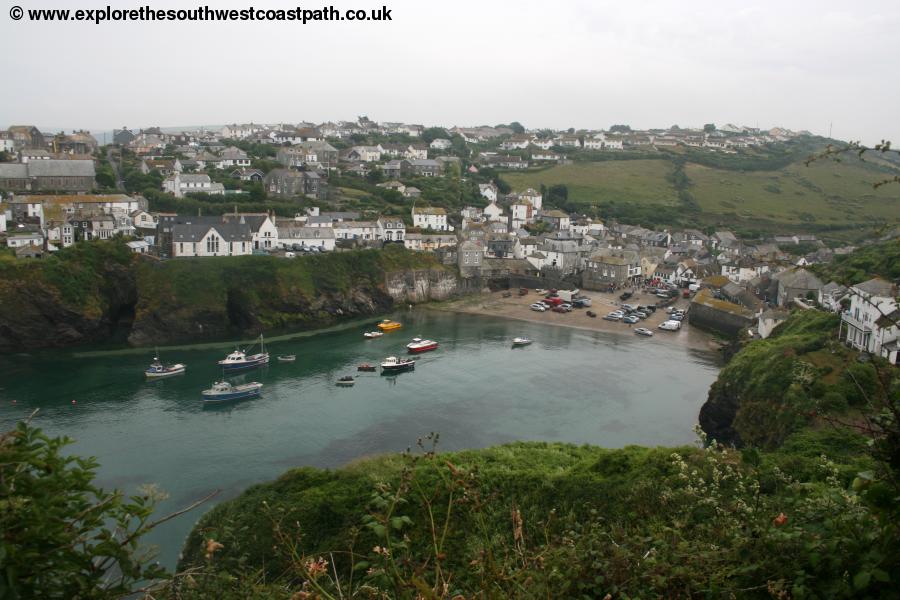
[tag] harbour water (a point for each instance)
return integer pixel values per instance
(476, 390)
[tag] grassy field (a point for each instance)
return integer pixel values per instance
(825, 194)
(638, 181)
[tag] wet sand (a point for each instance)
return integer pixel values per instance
(518, 307)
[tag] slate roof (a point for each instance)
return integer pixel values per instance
(876, 287)
(198, 227)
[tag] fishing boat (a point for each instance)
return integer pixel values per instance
(345, 381)
(157, 369)
(418, 345)
(373, 334)
(240, 360)
(392, 364)
(366, 367)
(388, 325)
(520, 341)
(287, 358)
(223, 391)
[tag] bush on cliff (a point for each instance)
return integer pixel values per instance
(531, 520)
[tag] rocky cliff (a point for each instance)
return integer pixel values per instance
(770, 388)
(91, 293)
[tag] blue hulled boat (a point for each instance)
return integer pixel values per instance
(239, 360)
(222, 391)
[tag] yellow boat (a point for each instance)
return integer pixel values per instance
(388, 325)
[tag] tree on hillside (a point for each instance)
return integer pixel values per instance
(517, 127)
(620, 129)
(709, 127)
(432, 133)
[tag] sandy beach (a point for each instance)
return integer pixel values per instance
(516, 307)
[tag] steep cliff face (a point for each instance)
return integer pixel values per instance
(422, 285)
(90, 292)
(82, 297)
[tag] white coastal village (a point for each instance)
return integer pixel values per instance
(68, 188)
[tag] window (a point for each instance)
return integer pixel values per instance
(212, 244)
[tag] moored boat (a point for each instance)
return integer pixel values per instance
(223, 391)
(157, 369)
(373, 334)
(418, 345)
(240, 360)
(392, 364)
(366, 367)
(388, 325)
(345, 381)
(520, 341)
(287, 358)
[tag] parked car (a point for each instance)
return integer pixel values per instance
(612, 317)
(523, 291)
(670, 325)
(629, 307)
(289, 255)
(538, 307)
(559, 309)
(625, 296)
(630, 319)
(566, 306)
(676, 317)
(641, 314)
(662, 294)
(643, 331)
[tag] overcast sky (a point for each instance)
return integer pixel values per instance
(556, 63)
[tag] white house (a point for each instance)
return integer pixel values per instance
(180, 184)
(428, 217)
(206, 238)
(769, 320)
(391, 229)
(25, 239)
(533, 196)
(292, 232)
(234, 157)
(138, 246)
(356, 230)
(521, 213)
(493, 212)
(871, 321)
(263, 231)
(440, 144)
(488, 190)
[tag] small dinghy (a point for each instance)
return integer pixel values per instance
(520, 341)
(373, 334)
(367, 367)
(287, 358)
(345, 381)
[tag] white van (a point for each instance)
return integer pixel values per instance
(670, 325)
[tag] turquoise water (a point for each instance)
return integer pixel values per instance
(570, 385)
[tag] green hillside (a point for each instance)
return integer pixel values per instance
(637, 181)
(824, 196)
